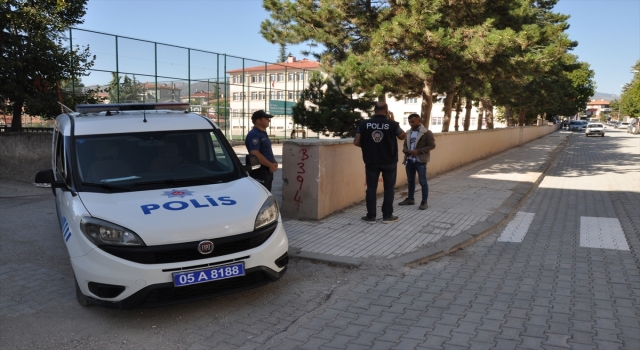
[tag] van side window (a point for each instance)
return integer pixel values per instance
(60, 161)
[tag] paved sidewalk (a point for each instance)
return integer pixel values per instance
(464, 204)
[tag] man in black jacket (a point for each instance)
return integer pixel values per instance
(377, 138)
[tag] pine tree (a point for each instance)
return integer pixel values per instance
(328, 106)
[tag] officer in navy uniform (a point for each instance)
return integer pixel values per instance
(258, 144)
(377, 138)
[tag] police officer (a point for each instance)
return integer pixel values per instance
(377, 138)
(258, 144)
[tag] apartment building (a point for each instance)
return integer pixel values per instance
(274, 88)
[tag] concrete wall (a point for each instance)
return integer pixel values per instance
(324, 176)
(22, 155)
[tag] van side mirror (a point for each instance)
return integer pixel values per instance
(44, 178)
(252, 162)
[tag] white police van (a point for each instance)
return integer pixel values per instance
(155, 207)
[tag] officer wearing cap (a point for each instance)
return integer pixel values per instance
(258, 144)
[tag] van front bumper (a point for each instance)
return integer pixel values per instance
(149, 285)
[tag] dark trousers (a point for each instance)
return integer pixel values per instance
(263, 176)
(421, 169)
(389, 182)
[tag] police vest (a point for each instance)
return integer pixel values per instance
(378, 140)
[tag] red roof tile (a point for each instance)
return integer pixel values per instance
(302, 64)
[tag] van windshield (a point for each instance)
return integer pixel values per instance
(149, 160)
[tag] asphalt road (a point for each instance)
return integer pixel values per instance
(535, 283)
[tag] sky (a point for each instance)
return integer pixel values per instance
(607, 32)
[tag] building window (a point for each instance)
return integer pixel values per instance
(261, 78)
(280, 76)
(300, 76)
(254, 78)
(408, 100)
(254, 95)
(290, 95)
(261, 95)
(405, 121)
(290, 76)
(236, 96)
(235, 79)
(298, 95)
(280, 95)
(272, 77)
(436, 121)
(279, 127)
(272, 95)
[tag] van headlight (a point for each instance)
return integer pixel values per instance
(102, 232)
(268, 213)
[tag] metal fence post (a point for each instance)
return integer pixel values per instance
(117, 74)
(155, 59)
(73, 76)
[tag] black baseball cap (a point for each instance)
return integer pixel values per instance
(259, 115)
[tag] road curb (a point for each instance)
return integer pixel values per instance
(505, 212)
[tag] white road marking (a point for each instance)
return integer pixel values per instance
(517, 228)
(602, 233)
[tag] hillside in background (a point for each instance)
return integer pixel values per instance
(604, 96)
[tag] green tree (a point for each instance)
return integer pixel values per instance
(328, 106)
(129, 91)
(426, 48)
(33, 57)
(282, 52)
(630, 98)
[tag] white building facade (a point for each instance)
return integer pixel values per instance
(274, 88)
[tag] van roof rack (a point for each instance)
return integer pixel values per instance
(120, 107)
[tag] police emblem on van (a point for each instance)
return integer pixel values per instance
(205, 247)
(377, 136)
(177, 193)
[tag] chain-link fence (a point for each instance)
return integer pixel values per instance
(224, 88)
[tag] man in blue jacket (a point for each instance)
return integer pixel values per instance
(378, 139)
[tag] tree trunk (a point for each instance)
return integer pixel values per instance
(16, 121)
(523, 113)
(508, 115)
(487, 105)
(448, 103)
(458, 109)
(427, 104)
(467, 113)
(480, 114)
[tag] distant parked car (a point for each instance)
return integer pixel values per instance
(584, 124)
(575, 125)
(594, 129)
(622, 125)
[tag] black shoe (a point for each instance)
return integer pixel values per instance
(390, 219)
(408, 201)
(368, 219)
(423, 206)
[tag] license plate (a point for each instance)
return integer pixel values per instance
(181, 279)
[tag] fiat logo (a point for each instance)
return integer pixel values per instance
(205, 247)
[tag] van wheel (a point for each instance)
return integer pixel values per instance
(81, 298)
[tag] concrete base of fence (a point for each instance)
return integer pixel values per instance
(321, 177)
(22, 155)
